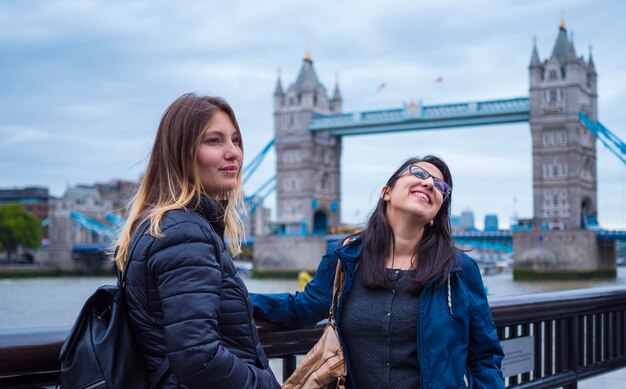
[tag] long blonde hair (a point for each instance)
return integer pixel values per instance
(172, 181)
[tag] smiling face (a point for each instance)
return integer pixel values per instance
(412, 196)
(219, 156)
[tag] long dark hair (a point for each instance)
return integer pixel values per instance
(436, 250)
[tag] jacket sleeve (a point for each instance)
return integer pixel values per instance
(301, 309)
(485, 353)
(188, 279)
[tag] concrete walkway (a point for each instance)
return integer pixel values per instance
(612, 380)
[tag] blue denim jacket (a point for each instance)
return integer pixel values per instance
(456, 338)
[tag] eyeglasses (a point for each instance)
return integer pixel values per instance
(422, 174)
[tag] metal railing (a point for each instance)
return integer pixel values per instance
(575, 335)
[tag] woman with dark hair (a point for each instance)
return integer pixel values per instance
(188, 309)
(413, 311)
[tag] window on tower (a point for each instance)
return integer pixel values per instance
(553, 96)
(553, 74)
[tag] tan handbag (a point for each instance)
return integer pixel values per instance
(323, 367)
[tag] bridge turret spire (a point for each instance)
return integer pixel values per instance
(563, 47)
(307, 80)
(572, 50)
(536, 67)
(535, 62)
(337, 99)
(591, 67)
(278, 91)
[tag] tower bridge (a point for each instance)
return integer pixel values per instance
(416, 117)
(562, 238)
(562, 110)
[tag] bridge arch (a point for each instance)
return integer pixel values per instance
(320, 222)
(587, 213)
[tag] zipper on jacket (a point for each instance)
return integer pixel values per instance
(339, 310)
(450, 296)
(419, 322)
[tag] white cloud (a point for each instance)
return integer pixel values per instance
(85, 83)
(16, 135)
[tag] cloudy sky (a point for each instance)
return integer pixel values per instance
(83, 84)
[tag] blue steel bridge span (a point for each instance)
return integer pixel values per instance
(415, 117)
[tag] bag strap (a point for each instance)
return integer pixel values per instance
(121, 278)
(162, 372)
(337, 286)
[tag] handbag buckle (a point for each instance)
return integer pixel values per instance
(105, 312)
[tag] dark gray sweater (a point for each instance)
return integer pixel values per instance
(379, 329)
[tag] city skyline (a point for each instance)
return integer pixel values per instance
(84, 86)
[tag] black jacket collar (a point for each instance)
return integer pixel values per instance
(213, 211)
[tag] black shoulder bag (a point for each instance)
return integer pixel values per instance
(100, 351)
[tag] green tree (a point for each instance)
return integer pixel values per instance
(18, 228)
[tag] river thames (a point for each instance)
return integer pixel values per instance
(38, 302)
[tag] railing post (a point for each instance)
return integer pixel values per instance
(549, 344)
(538, 349)
(572, 348)
(526, 332)
(621, 333)
(597, 337)
(289, 366)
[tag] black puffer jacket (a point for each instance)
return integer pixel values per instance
(190, 310)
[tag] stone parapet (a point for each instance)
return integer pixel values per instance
(288, 254)
(564, 254)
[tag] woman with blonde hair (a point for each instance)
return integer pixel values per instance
(189, 311)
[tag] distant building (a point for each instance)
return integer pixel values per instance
(565, 183)
(32, 199)
(466, 220)
(455, 222)
(67, 232)
(86, 201)
(257, 221)
(118, 193)
(491, 223)
(307, 162)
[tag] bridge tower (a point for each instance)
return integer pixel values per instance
(564, 168)
(307, 176)
(307, 166)
(564, 151)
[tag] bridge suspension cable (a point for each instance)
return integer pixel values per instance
(261, 198)
(249, 169)
(116, 220)
(608, 139)
(93, 225)
(252, 201)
